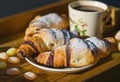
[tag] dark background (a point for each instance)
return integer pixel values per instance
(11, 7)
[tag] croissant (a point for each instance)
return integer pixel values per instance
(51, 20)
(78, 52)
(44, 40)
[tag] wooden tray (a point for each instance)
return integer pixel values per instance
(11, 34)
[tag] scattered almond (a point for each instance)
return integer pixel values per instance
(3, 56)
(13, 71)
(14, 60)
(30, 75)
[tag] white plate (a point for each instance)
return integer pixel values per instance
(65, 70)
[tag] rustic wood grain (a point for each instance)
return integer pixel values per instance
(91, 73)
(44, 76)
(12, 32)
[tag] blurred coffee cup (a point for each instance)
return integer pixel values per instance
(86, 17)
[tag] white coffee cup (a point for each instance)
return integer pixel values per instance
(86, 17)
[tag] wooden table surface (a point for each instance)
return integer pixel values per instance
(104, 71)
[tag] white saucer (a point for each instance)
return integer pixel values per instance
(64, 70)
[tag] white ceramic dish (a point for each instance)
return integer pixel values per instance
(64, 70)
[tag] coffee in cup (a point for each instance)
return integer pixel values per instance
(86, 17)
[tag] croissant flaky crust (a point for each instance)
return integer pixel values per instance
(78, 52)
(51, 20)
(44, 40)
(47, 40)
(63, 51)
